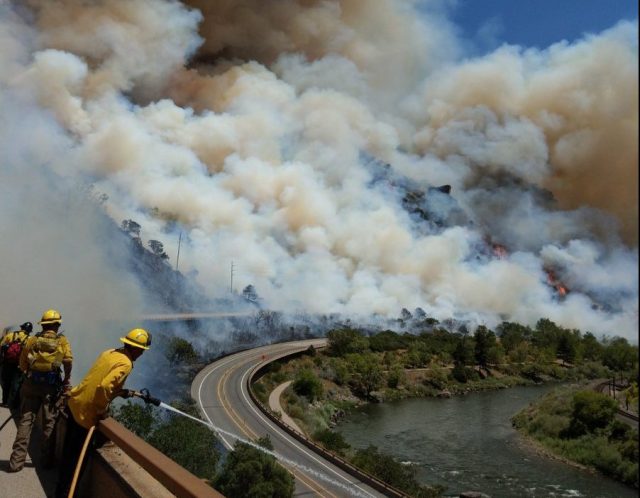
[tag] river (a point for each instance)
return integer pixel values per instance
(466, 443)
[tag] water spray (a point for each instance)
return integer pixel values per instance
(219, 430)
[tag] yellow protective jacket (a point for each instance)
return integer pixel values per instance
(31, 360)
(20, 335)
(89, 400)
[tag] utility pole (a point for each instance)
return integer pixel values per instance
(232, 271)
(178, 256)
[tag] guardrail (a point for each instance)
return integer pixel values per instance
(365, 477)
(172, 476)
(608, 384)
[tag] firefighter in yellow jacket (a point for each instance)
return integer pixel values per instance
(11, 346)
(41, 359)
(89, 401)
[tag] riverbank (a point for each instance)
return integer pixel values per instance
(578, 426)
(468, 443)
(341, 386)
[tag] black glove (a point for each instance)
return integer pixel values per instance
(126, 393)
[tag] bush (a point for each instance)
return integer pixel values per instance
(579, 426)
(346, 341)
(341, 374)
(138, 418)
(591, 411)
(179, 350)
(307, 384)
(386, 341)
(261, 392)
(188, 443)
(333, 441)
(250, 473)
(395, 377)
(436, 376)
(459, 373)
(385, 468)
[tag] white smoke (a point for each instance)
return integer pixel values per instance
(257, 151)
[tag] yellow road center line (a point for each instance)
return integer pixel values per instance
(250, 434)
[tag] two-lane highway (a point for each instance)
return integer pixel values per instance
(220, 390)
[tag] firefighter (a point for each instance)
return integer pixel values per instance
(11, 347)
(89, 401)
(41, 360)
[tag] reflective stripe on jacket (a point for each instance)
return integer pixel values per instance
(90, 399)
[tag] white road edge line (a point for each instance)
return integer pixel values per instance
(290, 440)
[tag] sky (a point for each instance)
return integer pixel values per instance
(273, 154)
(536, 23)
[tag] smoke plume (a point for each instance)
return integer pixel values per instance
(299, 139)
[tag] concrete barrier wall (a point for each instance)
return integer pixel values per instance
(339, 462)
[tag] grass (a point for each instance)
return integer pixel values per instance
(612, 450)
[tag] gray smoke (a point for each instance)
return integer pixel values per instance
(250, 125)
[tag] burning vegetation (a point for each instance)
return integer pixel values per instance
(345, 157)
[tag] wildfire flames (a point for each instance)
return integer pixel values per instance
(305, 141)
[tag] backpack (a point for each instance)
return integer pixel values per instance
(11, 351)
(45, 355)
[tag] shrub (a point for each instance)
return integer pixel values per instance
(307, 384)
(385, 468)
(331, 440)
(436, 377)
(179, 350)
(260, 391)
(346, 341)
(459, 373)
(249, 472)
(395, 377)
(591, 411)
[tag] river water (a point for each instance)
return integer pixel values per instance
(466, 443)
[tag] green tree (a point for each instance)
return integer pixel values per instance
(136, 417)
(346, 341)
(307, 384)
(188, 443)
(495, 355)
(418, 355)
(462, 355)
(250, 473)
(520, 353)
(546, 335)
(591, 347)
(484, 341)
(179, 350)
(591, 411)
(512, 335)
(366, 373)
(386, 341)
(568, 343)
(619, 355)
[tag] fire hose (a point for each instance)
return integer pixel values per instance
(145, 396)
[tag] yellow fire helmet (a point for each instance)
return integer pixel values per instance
(50, 316)
(138, 338)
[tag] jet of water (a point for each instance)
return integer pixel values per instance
(350, 490)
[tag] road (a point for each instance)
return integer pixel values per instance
(220, 390)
